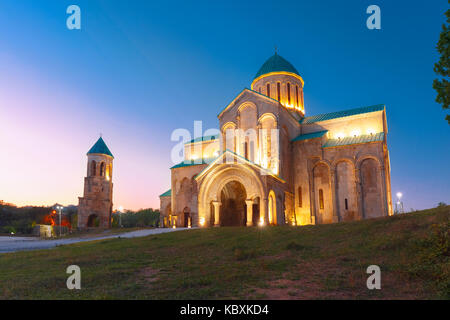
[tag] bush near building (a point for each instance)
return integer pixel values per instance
(142, 218)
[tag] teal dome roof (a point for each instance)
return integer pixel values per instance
(276, 63)
(100, 147)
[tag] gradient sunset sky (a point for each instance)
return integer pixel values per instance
(137, 70)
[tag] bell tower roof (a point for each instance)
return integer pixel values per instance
(100, 147)
(276, 63)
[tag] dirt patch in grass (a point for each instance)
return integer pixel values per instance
(148, 276)
(334, 278)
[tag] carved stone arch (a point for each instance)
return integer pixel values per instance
(229, 125)
(247, 137)
(322, 161)
(212, 184)
(336, 161)
(345, 191)
(322, 186)
(268, 159)
(372, 186)
(268, 114)
(231, 143)
(246, 104)
(185, 184)
(363, 157)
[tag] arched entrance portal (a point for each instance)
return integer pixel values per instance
(233, 208)
(187, 217)
(93, 221)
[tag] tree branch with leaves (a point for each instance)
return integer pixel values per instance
(442, 67)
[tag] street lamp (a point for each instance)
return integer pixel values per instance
(399, 203)
(120, 216)
(59, 209)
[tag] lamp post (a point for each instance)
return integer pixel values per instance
(120, 216)
(59, 209)
(399, 202)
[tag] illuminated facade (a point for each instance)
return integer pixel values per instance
(271, 164)
(95, 207)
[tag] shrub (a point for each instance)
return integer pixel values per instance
(295, 246)
(141, 218)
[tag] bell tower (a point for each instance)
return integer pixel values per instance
(95, 207)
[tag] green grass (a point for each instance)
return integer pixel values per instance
(310, 262)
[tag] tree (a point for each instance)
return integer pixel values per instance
(442, 67)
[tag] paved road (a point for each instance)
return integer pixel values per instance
(12, 244)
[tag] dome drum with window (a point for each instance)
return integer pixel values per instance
(279, 80)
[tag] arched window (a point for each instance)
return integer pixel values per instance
(279, 91)
(321, 205)
(289, 92)
(300, 200)
(102, 169)
(272, 208)
(268, 90)
(246, 150)
(296, 94)
(93, 168)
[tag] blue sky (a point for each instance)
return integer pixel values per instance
(137, 70)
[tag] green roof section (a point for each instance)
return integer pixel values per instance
(168, 193)
(100, 147)
(204, 138)
(342, 114)
(311, 135)
(276, 63)
(188, 163)
(366, 138)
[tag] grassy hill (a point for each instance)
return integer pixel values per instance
(311, 262)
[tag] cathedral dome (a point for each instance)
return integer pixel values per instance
(276, 63)
(278, 79)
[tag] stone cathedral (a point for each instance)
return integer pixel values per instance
(317, 169)
(95, 207)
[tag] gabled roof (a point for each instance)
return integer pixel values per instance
(238, 157)
(204, 138)
(250, 91)
(276, 63)
(188, 163)
(341, 114)
(366, 138)
(100, 147)
(310, 135)
(168, 193)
